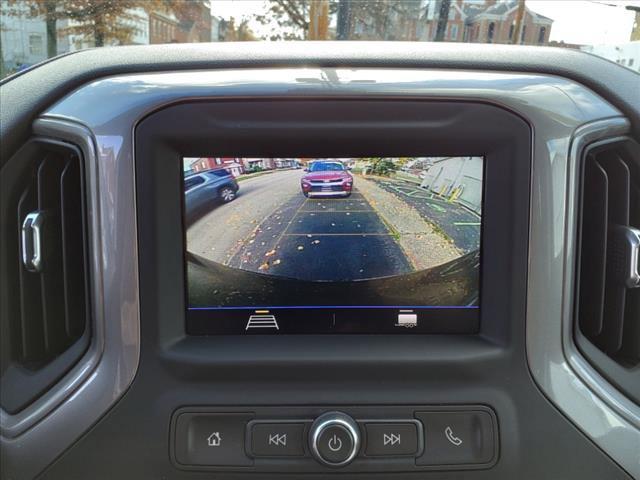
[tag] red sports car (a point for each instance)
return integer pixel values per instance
(327, 178)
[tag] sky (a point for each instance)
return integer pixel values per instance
(585, 22)
(575, 21)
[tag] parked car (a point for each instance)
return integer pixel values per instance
(204, 189)
(324, 178)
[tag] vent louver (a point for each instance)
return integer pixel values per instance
(608, 305)
(45, 306)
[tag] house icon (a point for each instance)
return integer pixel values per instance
(214, 439)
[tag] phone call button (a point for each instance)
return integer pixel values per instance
(458, 437)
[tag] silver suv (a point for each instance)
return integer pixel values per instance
(204, 189)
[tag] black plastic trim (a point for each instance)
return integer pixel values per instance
(22, 384)
(624, 377)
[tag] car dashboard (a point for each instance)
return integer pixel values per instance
(304, 372)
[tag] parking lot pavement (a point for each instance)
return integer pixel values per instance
(458, 223)
(220, 232)
(323, 239)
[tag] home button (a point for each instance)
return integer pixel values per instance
(214, 439)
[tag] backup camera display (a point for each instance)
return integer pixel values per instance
(332, 245)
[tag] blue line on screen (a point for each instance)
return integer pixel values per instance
(394, 307)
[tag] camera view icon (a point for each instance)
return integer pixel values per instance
(407, 319)
(261, 319)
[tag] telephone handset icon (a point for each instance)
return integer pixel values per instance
(451, 437)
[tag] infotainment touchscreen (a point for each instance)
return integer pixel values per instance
(332, 245)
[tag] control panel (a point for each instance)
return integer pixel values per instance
(354, 439)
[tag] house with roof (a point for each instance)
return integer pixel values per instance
(487, 21)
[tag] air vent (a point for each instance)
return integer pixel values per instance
(45, 308)
(608, 308)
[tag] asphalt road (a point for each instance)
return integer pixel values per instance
(272, 228)
(221, 232)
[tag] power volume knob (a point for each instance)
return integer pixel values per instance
(334, 439)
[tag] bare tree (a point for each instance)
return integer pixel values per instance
(443, 19)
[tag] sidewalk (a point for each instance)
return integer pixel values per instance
(455, 222)
(423, 244)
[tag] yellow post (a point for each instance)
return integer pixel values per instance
(318, 20)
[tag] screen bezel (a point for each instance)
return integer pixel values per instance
(263, 127)
(355, 319)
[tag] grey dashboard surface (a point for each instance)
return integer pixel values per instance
(54, 79)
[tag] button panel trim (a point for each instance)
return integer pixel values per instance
(308, 414)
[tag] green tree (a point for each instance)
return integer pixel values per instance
(104, 20)
(291, 17)
(239, 33)
(382, 166)
(101, 21)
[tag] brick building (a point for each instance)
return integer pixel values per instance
(194, 21)
(233, 165)
(490, 21)
(163, 27)
(188, 24)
